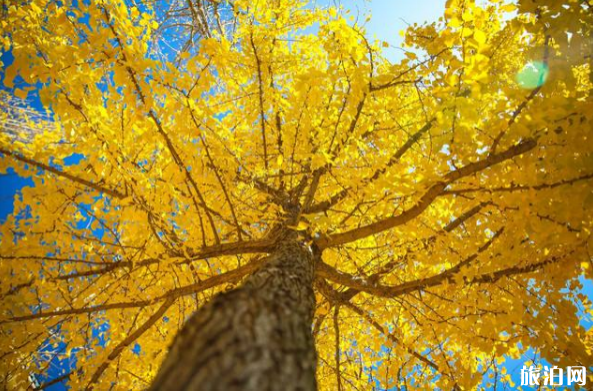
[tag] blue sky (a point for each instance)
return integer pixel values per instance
(389, 17)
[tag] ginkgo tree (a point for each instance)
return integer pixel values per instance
(263, 200)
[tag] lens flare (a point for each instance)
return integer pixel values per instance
(533, 75)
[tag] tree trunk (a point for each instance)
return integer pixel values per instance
(256, 337)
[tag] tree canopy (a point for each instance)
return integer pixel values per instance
(449, 192)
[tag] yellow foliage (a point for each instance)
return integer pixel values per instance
(452, 206)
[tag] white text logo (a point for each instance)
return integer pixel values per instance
(553, 376)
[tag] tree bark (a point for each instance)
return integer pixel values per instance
(255, 337)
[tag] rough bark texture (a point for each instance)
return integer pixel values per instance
(255, 337)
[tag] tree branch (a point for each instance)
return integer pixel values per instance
(325, 205)
(424, 202)
(371, 287)
(95, 186)
(515, 187)
(228, 277)
(129, 339)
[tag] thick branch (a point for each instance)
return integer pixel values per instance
(129, 340)
(325, 205)
(261, 101)
(95, 186)
(334, 297)
(345, 279)
(516, 187)
(332, 274)
(228, 277)
(426, 200)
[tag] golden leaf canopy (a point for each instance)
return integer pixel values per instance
(449, 192)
